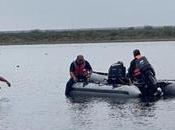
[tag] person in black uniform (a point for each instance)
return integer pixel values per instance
(80, 71)
(117, 74)
(142, 74)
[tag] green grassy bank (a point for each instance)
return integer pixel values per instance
(127, 34)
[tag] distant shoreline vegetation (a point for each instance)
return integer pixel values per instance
(127, 34)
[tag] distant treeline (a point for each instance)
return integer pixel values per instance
(146, 33)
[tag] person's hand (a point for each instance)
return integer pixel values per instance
(87, 79)
(9, 85)
(88, 75)
(75, 79)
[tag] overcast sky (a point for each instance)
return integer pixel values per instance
(68, 14)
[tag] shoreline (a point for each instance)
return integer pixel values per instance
(87, 42)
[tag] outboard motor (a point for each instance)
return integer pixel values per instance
(117, 73)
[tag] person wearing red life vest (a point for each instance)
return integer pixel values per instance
(142, 73)
(80, 71)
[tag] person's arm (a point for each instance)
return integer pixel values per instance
(130, 70)
(89, 68)
(72, 75)
(4, 80)
(153, 71)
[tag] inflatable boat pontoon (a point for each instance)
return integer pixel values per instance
(98, 87)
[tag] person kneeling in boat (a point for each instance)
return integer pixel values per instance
(80, 71)
(142, 75)
(117, 74)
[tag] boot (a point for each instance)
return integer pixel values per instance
(159, 92)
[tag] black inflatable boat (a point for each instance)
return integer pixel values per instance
(98, 87)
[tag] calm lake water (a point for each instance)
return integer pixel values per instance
(39, 73)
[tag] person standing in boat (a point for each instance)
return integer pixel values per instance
(142, 74)
(80, 71)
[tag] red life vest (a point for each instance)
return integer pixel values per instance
(137, 71)
(80, 70)
(142, 65)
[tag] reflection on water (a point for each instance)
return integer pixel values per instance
(38, 75)
(81, 112)
(112, 113)
(128, 114)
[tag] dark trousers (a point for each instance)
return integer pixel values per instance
(148, 84)
(69, 86)
(146, 90)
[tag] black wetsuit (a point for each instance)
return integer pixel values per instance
(143, 74)
(80, 78)
(117, 74)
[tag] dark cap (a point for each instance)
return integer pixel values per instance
(120, 63)
(136, 52)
